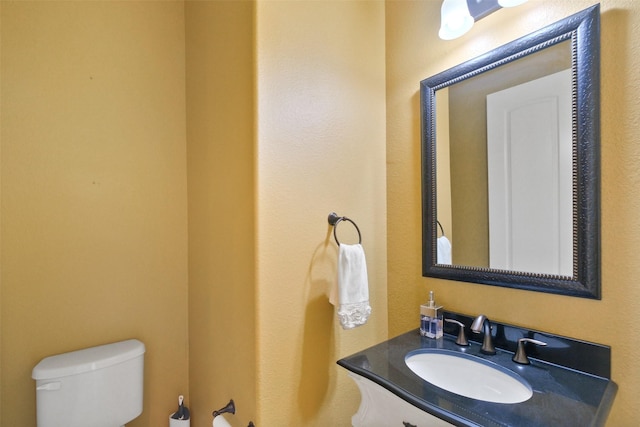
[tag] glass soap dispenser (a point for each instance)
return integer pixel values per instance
(431, 319)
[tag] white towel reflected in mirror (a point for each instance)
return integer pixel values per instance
(444, 250)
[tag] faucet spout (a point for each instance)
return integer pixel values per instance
(481, 324)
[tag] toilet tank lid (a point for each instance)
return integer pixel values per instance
(88, 359)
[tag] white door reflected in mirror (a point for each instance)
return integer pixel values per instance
(529, 176)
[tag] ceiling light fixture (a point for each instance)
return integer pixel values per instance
(458, 16)
(455, 19)
(510, 3)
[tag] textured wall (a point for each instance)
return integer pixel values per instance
(320, 148)
(414, 52)
(98, 117)
(94, 218)
(220, 135)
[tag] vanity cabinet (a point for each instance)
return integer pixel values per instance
(570, 381)
(381, 408)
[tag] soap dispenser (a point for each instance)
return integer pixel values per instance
(431, 319)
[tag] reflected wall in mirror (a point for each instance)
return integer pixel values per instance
(511, 163)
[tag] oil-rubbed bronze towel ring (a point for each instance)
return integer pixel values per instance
(334, 220)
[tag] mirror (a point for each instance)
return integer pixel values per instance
(511, 163)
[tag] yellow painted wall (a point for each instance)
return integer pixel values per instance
(94, 198)
(320, 148)
(414, 52)
(220, 141)
(261, 328)
(1, 352)
(108, 109)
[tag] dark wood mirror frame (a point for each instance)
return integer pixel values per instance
(583, 30)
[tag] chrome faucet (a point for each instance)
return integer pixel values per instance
(482, 324)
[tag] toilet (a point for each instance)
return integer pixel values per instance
(99, 386)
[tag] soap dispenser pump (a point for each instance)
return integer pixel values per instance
(431, 318)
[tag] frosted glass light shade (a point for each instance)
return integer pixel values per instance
(455, 19)
(510, 3)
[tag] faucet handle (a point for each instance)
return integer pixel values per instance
(521, 354)
(462, 337)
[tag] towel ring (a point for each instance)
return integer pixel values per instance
(334, 220)
(441, 229)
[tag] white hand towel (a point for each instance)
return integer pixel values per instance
(351, 292)
(444, 250)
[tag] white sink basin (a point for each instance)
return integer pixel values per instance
(468, 375)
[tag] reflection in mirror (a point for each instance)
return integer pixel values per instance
(474, 201)
(511, 163)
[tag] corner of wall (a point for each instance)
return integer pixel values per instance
(221, 191)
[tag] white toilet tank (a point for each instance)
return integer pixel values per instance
(98, 386)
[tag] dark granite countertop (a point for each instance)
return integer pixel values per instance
(561, 396)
